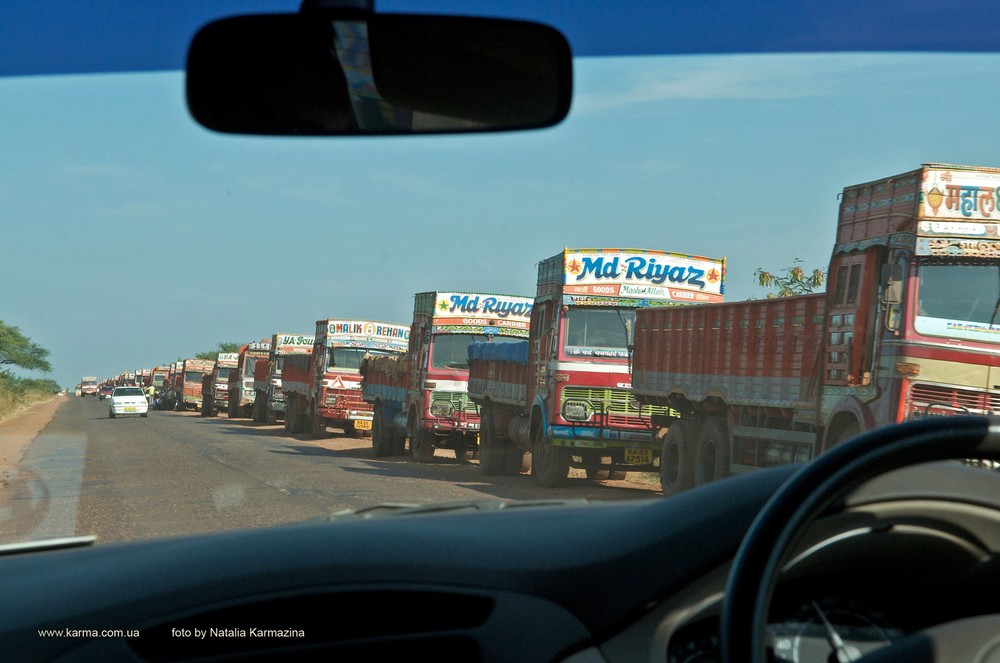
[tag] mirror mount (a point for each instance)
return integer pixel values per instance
(367, 6)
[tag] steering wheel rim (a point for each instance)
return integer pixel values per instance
(809, 492)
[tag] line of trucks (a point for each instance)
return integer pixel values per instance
(630, 360)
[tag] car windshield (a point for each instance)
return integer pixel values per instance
(743, 157)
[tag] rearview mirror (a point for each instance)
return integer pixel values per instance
(342, 72)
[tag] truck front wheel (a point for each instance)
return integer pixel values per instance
(422, 446)
(318, 424)
(549, 463)
(677, 458)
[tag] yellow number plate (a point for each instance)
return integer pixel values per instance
(361, 424)
(638, 456)
(130, 409)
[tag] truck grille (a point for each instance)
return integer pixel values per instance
(460, 403)
(619, 404)
(922, 395)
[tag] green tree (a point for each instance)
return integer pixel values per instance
(17, 349)
(224, 346)
(790, 281)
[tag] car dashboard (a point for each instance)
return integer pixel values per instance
(583, 583)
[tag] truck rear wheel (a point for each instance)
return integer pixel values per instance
(497, 457)
(549, 463)
(463, 450)
(289, 414)
(677, 458)
(382, 439)
(711, 456)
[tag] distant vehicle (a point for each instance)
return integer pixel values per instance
(127, 401)
(104, 391)
(88, 386)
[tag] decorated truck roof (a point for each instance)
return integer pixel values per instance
(228, 359)
(291, 344)
(936, 210)
(474, 312)
(202, 365)
(364, 334)
(631, 277)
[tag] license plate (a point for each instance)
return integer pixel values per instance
(130, 409)
(361, 424)
(638, 456)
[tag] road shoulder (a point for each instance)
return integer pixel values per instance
(17, 432)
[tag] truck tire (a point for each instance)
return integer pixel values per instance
(463, 450)
(270, 416)
(289, 413)
(497, 457)
(677, 458)
(317, 423)
(299, 419)
(549, 464)
(382, 439)
(422, 446)
(711, 456)
(398, 444)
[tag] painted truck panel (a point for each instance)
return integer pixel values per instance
(898, 334)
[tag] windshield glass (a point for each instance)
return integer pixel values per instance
(597, 332)
(349, 358)
(737, 156)
(959, 301)
(224, 374)
(127, 391)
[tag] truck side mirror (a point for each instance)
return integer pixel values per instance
(892, 284)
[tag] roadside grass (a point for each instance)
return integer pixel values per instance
(17, 394)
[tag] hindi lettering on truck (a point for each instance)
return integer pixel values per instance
(241, 378)
(564, 394)
(323, 388)
(423, 395)
(908, 328)
(269, 399)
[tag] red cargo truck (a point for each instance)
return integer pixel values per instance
(269, 403)
(241, 378)
(565, 395)
(424, 394)
(908, 327)
(192, 372)
(324, 388)
(215, 395)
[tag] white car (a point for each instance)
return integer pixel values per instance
(127, 400)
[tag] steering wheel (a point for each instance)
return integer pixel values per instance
(806, 496)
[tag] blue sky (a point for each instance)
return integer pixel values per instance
(133, 237)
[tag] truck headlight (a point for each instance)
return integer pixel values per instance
(441, 408)
(577, 410)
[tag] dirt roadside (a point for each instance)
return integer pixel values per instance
(17, 432)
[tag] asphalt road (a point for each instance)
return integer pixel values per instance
(178, 473)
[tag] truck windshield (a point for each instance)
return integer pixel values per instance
(348, 358)
(224, 373)
(452, 350)
(193, 376)
(959, 301)
(597, 332)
